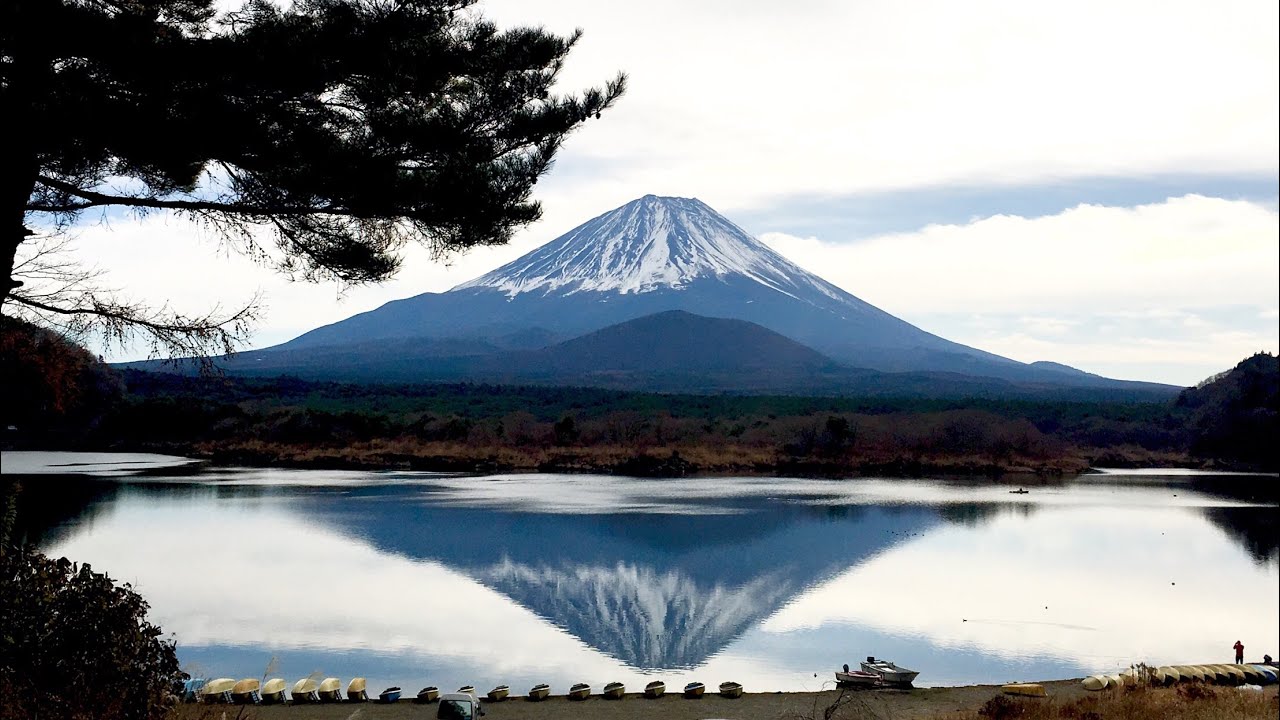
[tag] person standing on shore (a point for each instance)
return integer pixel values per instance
(1239, 648)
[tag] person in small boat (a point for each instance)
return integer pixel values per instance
(1239, 648)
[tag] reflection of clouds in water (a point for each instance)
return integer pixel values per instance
(1089, 585)
(265, 578)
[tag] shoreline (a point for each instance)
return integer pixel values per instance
(899, 704)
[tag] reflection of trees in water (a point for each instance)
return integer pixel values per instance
(46, 508)
(1256, 529)
(978, 514)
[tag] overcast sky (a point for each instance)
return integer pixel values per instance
(1093, 183)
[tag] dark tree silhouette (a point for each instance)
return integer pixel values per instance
(338, 129)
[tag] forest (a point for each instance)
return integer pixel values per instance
(1227, 422)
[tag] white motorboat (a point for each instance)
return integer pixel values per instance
(889, 673)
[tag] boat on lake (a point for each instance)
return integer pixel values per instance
(1020, 491)
(730, 690)
(614, 690)
(499, 693)
(889, 673)
(655, 689)
(390, 695)
(305, 691)
(356, 691)
(428, 694)
(246, 692)
(273, 692)
(330, 690)
(539, 692)
(856, 678)
(579, 691)
(217, 691)
(694, 690)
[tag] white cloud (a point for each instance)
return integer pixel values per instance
(738, 103)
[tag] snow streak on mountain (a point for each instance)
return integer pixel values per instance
(651, 244)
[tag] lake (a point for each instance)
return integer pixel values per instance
(414, 579)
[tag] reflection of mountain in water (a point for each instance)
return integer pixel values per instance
(647, 617)
(655, 591)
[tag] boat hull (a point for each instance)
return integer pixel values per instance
(579, 692)
(539, 692)
(856, 678)
(655, 690)
(427, 695)
(614, 691)
(499, 693)
(889, 673)
(730, 690)
(694, 691)
(1024, 689)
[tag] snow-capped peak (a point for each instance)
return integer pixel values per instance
(649, 244)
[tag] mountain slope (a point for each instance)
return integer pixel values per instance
(659, 254)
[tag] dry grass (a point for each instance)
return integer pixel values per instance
(1191, 701)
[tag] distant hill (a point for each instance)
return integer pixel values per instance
(1236, 415)
(672, 351)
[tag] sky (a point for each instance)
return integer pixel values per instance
(1093, 183)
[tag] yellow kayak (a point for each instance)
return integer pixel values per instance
(1024, 689)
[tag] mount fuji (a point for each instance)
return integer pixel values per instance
(651, 256)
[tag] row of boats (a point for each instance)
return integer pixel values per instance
(1236, 674)
(250, 691)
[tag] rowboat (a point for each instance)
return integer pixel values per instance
(1251, 675)
(1269, 674)
(1094, 683)
(1220, 674)
(356, 690)
(856, 678)
(192, 689)
(1024, 689)
(580, 691)
(1167, 675)
(1236, 675)
(539, 692)
(390, 695)
(428, 694)
(468, 689)
(246, 692)
(730, 690)
(217, 691)
(330, 690)
(694, 690)
(304, 691)
(1192, 672)
(655, 689)
(499, 693)
(273, 692)
(889, 673)
(614, 691)
(1114, 681)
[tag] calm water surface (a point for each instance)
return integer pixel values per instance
(412, 578)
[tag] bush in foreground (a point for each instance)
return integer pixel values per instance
(74, 645)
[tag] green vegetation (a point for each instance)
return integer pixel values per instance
(77, 646)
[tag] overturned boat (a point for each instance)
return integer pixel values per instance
(356, 691)
(330, 690)
(273, 692)
(217, 691)
(305, 691)
(247, 692)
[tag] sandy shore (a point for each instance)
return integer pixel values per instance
(896, 704)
